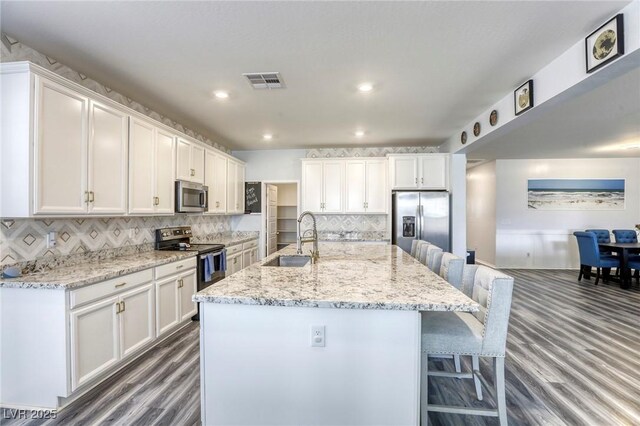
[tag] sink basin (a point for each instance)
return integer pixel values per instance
(288, 261)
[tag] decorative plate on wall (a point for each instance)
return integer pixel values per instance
(463, 138)
(476, 129)
(493, 117)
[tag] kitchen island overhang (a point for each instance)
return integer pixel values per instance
(258, 365)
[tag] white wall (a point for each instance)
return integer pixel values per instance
(481, 212)
(458, 185)
(543, 239)
(272, 165)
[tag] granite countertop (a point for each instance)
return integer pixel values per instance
(69, 277)
(228, 238)
(347, 275)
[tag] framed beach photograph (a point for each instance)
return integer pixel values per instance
(523, 97)
(576, 194)
(605, 44)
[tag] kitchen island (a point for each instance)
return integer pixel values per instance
(336, 342)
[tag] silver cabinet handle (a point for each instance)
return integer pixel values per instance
(179, 266)
(91, 197)
(121, 285)
(123, 306)
(86, 196)
(118, 308)
(416, 180)
(421, 180)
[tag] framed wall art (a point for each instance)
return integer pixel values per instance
(523, 97)
(576, 194)
(605, 44)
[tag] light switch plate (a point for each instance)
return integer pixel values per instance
(317, 335)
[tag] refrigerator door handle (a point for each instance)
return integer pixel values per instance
(418, 223)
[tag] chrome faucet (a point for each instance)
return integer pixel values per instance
(302, 238)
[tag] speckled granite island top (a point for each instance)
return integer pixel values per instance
(92, 272)
(347, 275)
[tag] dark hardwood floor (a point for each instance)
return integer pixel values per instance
(573, 358)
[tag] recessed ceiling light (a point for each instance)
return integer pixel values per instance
(359, 133)
(365, 87)
(221, 94)
(267, 136)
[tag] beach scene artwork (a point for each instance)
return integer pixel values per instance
(576, 194)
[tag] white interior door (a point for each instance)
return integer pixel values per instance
(141, 167)
(312, 186)
(272, 219)
(61, 150)
(333, 184)
(108, 141)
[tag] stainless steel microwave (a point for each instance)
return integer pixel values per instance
(191, 197)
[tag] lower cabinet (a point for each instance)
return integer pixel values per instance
(173, 300)
(109, 330)
(240, 256)
(234, 263)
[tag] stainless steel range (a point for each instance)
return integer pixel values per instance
(212, 258)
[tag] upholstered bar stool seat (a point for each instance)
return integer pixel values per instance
(414, 247)
(433, 257)
(421, 248)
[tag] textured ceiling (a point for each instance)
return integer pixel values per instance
(435, 65)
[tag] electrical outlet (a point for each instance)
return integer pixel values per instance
(317, 335)
(52, 239)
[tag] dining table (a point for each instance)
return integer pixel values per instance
(623, 250)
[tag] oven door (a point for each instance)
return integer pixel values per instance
(191, 197)
(209, 274)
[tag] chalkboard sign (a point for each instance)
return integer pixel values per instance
(253, 197)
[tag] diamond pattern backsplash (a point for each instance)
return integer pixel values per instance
(368, 152)
(26, 239)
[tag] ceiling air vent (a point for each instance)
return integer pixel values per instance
(265, 80)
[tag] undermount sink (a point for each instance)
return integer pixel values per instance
(288, 261)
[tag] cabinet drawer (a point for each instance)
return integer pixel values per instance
(236, 248)
(250, 245)
(175, 267)
(107, 288)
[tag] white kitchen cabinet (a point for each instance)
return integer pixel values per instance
(190, 161)
(95, 340)
(137, 313)
(365, 186)
(234, 263)
(323, 186)
(424, 171)
(215, 179)
(107, 167)
(235, 187)
(173, 300)
(151, 169)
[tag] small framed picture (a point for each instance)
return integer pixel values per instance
(523, 97)
(605, 44)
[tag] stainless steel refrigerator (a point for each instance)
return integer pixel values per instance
(420, 215)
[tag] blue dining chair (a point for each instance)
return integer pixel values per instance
(602, 235)
(590, 256)
(625, 236)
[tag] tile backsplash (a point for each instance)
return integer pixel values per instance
(368, 152)
(26, 239)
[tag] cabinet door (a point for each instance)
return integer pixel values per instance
(164, 173)
(108, 142)
(183, 160)
(94, 340)
(197, 164)
(355, 177)
(240, 188)
(141, 167)
(253, 256)
(376, 186)
(60, 149)
(333, 186)
(312, 186)
(232, 186)
(433, 172)
(167, 304)
(188, 287)
(137, 327)
(246, 258)
(234, 264)
(220, 187)
(404, 172)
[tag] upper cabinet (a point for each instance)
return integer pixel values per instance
(190, 161)
(235, 187)
(80, 153)
(215, 178)
(323, 186)
(366, 186)
(151, 171)
(68, 151)
(424, 171)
